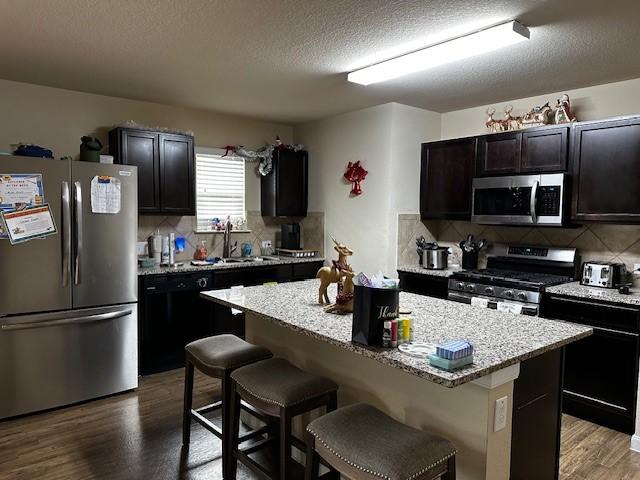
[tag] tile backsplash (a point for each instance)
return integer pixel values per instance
(261, 228)
(594, 242)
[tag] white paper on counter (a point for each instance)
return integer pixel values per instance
(105, 195)
(479, 302)
(509, 307)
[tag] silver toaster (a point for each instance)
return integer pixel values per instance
(605, 275)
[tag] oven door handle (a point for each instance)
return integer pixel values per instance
(534, 194)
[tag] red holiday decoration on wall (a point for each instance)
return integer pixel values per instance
(354, 175)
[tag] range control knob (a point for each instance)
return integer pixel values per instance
(488, 290)
(202, 282)
(471, 287)
(460, 286)
(509, 293)
(522, 296)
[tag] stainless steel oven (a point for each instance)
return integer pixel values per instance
(520, 200)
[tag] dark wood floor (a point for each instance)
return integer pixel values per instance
(137, 435)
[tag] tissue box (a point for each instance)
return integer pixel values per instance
(454, 350)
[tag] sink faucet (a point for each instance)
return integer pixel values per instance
(227, 250)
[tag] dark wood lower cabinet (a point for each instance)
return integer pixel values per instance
(601, 371)
(172, 314)
(537, 417)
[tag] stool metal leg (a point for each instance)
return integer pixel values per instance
(188, 400)
(227, 421)
(285, 444)
(233, 432)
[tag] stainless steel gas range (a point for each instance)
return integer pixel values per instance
(515, 277)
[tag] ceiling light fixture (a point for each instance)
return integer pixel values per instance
(470, 45)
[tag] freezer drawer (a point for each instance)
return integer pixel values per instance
(55, 359)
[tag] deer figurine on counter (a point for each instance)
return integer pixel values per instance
(334, 273)
(344, 299)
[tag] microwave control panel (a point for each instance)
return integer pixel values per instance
(548, 201)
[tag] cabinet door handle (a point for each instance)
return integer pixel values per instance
(619, 332)
(597, 400)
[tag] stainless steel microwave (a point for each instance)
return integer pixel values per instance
(519, 200)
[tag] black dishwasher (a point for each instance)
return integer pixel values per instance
(601, 371)
(172, 315)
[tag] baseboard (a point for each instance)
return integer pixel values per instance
(635, 443)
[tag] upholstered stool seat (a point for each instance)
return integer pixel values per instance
(214, 355)
(218, 357)
(282, 391)
(361, 442)
(279, 383)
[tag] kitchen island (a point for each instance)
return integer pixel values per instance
(458, 405)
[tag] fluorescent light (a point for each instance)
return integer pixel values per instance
(472, 44)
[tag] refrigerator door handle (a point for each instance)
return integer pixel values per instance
(66, 233)
(67, 321)
(78, 232)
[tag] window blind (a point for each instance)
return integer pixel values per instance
(220, 189)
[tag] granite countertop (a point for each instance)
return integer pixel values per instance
(419, 269)
(500, 339)
(607, 295)
(187, 267)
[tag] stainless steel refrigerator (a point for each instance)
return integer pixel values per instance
(68, 311)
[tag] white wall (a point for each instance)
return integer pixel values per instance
(359, 222)
(386, 138)
(56, 119)
(410, 127)
(590, 103)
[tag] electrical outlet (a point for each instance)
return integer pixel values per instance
(500, 414)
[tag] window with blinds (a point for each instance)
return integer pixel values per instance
(220, 189)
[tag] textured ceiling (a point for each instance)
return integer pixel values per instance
(286, 60)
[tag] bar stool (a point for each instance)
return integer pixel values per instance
(278, 389)
(362, 443)
(218, 357)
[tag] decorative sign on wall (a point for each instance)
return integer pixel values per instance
(355, 174)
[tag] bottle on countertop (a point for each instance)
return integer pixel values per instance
(394, 333)
(386, 334)
(165, 250)
(172, 249)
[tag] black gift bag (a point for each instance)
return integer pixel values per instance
(371, 307)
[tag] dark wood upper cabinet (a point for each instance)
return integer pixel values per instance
(534, 150)
(499, 154)
(544, 150)
(284, 191)
(177, 175)
(446, 172)
(166, 173)
(605, 158)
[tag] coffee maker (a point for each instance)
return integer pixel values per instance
(290, 236)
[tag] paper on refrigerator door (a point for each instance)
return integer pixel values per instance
(106, 193)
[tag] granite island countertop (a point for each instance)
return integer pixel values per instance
(420, 270)
(500, 339)
(188, 268)
(606, 295)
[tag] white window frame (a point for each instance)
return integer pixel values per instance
(219, 153)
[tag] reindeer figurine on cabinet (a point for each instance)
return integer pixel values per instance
(335, 273)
